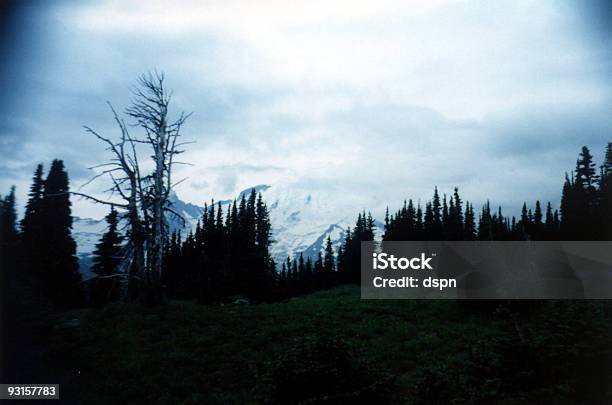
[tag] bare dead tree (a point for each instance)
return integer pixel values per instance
(150, 110)
(146, 197)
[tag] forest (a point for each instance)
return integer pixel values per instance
(227, 257)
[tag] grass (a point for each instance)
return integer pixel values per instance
(421, 351)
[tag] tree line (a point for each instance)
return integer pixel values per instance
(228, 254)
(40, 248)
(585, 214)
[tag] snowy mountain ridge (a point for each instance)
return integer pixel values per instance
(301, 222)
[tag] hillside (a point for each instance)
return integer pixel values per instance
(331, 347)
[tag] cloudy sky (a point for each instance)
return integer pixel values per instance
(363, 102)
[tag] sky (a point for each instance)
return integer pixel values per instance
(366, 103)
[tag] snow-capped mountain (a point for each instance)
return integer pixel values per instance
(301, 222)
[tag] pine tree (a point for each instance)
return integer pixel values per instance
(60, 274)
(470, 224)
(455, 224)
(538, 225)
(33, 206)
(569, 212)
(586, 176)
(8, 220)
(387, 235)
(106, 260)
(550, 226)
(485, 224)
(445, 227)
(526, 225)
(295, 278)
(436, 230)
(309, 275)
(8, 238)
(31, 224)
(328, 263)
(282, 280)
(318, 271)
(428, 224)
(605, 196)
(302, 277)
(586, 196)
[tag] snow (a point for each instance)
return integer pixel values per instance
(301, 222)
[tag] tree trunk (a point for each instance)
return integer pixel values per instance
(156, 253)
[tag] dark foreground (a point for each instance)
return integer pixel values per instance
(329, 347)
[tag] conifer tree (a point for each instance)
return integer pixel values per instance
(538, 225)
(445, 227)
(295, 278)
(106, 259)
(551, 230)
(8, 237)
(605, 195)
(455, 217)
(60, 274)
(309, 275)
(569, 215)
(586, 176)
(282, 280)
(387, 234)
(428, 224)
(526, 225)
(33, 207)
(318, 271)
(8, 220)
(328, 262)
(470, 224)
(585, 196)
(31, 224)
(437, 216)
(301, 271)
(485, 225)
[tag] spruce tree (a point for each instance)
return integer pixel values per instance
(605, 197)
(455, 224)
(570, 217)
(550, 226)
(106, 260)
(33, 207)
(436, 230)
(538, 225)
(445, 227)
(485, 224)
(586, 176)
(31, 224)
(60, 274)
(295, 277)
(8, 243)
(428, 224)
(328, 262)
(470, 224)
(318, 271)
(8, 221)
(387, 234)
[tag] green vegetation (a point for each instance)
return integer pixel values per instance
(331, 345)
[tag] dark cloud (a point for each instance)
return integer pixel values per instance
(496, 98)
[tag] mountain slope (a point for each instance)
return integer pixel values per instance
(301, 222)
